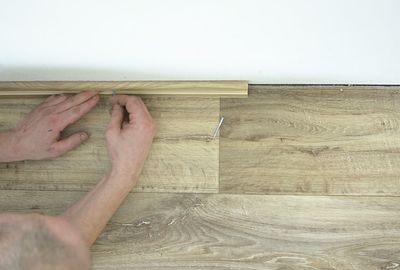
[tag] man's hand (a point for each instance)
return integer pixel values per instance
(128, 142)
(38, 136)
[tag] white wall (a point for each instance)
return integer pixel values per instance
(281, 41)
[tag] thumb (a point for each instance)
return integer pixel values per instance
(117, 116)
(69, 143)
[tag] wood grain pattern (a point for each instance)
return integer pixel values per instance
(296, 140)
(186, 88)
(217, 231)
(312, 140)
(184, 158)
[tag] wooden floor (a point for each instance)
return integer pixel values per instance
(300, 178)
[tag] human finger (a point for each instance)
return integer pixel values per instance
(134, 106)
(75, 100)
(77, 112)
(117, 115)
(71, 142)
(55, 99)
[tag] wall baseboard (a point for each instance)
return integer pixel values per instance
(182, 88)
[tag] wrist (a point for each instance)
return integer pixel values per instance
(9, 147)
(124, 172)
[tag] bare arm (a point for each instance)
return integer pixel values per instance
(7, 147)
(128, 144)
(38, 136)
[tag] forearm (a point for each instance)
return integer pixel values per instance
(92, 213)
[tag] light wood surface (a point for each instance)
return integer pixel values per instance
(184, 157)
(281, 140)
(312, 140)
(185, 88)
(189, 231)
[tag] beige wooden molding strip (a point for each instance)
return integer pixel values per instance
(185, 88)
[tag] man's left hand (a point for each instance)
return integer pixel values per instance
(38, 136)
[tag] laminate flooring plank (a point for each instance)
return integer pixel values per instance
(183, 158)
(327, 140)
(228, 231)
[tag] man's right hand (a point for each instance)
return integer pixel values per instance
(128, 143)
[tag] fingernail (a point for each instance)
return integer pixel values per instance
(84, 136)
